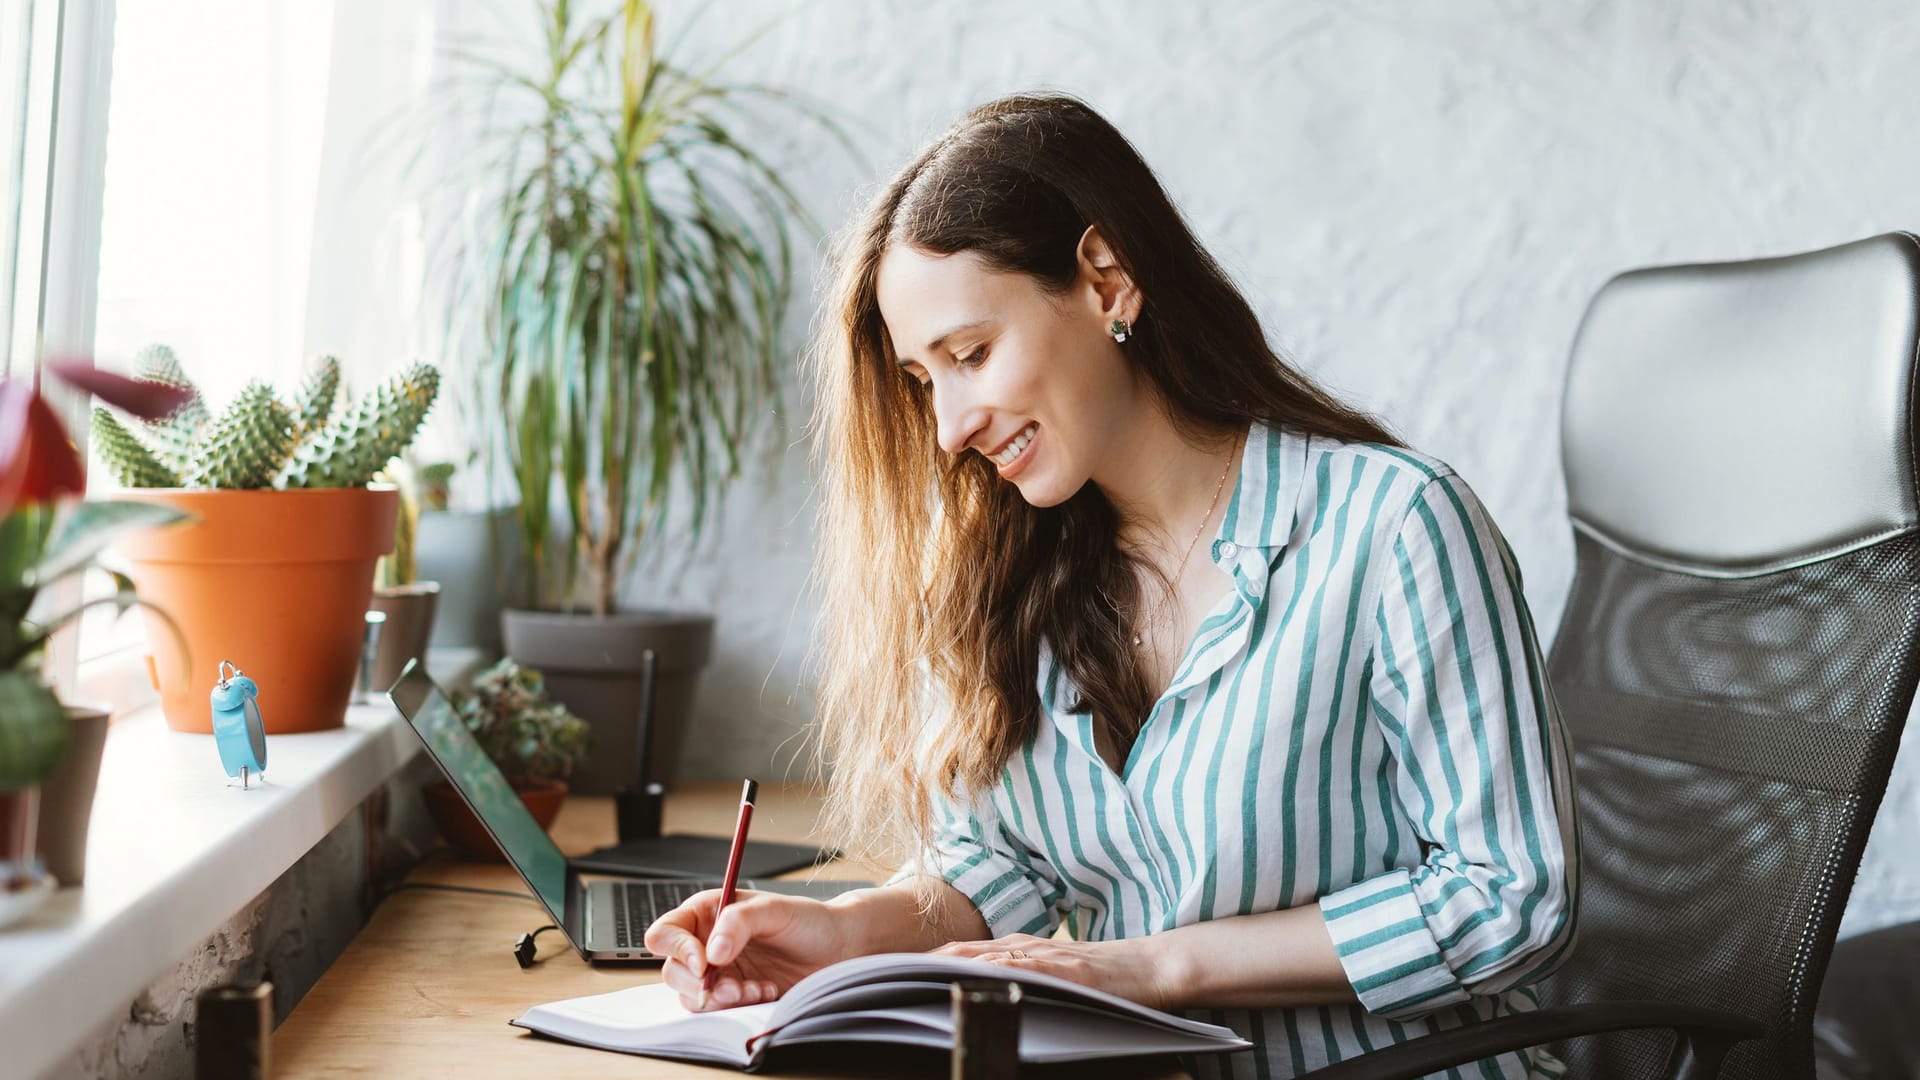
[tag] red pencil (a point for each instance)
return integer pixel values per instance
(747, 794)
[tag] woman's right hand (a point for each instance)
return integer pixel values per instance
(760, 945)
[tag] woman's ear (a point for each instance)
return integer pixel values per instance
(1111, 289)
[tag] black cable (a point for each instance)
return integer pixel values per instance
(524, 949)
(508, 893)
(525, 946)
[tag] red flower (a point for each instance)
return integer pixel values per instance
(38, 463)
(146, 400)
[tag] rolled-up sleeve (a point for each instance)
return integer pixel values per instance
(1459, 691)
(1013, 887)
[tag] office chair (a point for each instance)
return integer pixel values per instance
(1736, 658)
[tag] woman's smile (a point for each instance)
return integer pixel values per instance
(1012, 458)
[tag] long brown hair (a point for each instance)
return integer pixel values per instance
(938, 581)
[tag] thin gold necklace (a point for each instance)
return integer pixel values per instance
(1174, 582)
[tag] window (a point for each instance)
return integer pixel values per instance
(27, 36)
(213, 147)
(214, 140)
(52, 91)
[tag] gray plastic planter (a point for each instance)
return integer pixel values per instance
(593, 666)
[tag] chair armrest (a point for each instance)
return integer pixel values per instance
(1704, 1037)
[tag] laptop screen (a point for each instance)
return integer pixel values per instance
(480, 782)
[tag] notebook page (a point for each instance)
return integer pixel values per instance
(1049, 1032)
(820, 990)
(650, 1019)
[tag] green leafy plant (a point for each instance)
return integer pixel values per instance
(259, 441)
(47, 537)
(527, 734)
(624, 296)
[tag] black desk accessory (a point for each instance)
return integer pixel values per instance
(643, 850)
(234, 1040)
(986, 1029)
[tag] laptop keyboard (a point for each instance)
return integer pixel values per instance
(636, 904)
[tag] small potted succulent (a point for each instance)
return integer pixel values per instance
(534, 740)
(277, 573)
(436, 486)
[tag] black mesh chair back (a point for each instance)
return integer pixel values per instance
(1737, 654)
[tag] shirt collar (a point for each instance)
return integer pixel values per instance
(1259, 516)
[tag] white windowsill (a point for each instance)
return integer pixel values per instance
(175, 850)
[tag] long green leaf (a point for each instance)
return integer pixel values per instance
(85, 530)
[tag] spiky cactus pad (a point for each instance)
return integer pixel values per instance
(313, 404)
(366, 436)
(126, 456)
(246, 445)
(172, 436)
(260, 442)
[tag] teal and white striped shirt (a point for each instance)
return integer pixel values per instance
(1364, 721)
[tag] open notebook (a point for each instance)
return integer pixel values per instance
(884, 998)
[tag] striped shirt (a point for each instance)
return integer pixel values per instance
(1364, 722)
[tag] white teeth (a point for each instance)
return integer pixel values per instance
(1019, 443)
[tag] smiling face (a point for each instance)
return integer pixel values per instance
(1027, 379)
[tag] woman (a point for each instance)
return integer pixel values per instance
(1310, 783)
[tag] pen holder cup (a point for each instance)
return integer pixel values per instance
(637, 813)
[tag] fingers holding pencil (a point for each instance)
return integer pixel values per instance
(748, 793)
(757, 948)
(735, 986)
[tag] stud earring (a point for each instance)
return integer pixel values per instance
(1119, 328)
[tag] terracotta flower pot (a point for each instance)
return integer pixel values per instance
(276, 582)
(463, 830)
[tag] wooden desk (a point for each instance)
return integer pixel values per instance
(428, 985)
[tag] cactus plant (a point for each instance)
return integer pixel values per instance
(127, 457)
(172, 435)
(367, 435)
(259, 441)
(313, 404)
(246, 446)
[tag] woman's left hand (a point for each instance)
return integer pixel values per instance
(1130, 967)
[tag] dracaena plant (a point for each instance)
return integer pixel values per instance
(623, 293)
(48, 535)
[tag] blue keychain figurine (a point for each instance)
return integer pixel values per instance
(238, 728)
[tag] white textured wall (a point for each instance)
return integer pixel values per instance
(1418, 199)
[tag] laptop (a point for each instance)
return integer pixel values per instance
(603, 919)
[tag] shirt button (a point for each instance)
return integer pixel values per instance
(1228, 549)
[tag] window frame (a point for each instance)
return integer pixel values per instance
(31, 40)
(58, 265)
